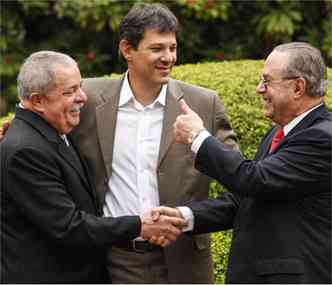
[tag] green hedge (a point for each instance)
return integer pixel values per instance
(235, 82)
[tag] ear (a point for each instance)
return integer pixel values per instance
(300, 88)
(125, 48)
(37, 102)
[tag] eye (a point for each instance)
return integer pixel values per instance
(265, 80)
(156, 49)
(70, 92)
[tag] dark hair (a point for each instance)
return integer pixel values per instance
(306, 61)
(143, 16)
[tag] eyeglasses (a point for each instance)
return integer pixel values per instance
(267, 82)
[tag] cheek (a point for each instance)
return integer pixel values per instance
(174, 58)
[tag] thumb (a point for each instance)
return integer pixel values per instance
(184, 107)
(155, 214)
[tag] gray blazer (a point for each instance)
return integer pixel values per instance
(189, 258)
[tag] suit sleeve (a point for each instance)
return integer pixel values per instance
(37, 188)
(297, 169)
(213, 215)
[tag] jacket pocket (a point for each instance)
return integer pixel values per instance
(202, 241)
(279, 266)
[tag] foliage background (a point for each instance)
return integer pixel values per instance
(235, 82)
(215, 34)
(211, 30)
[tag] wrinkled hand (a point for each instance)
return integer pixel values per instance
(166, 211)
(3, 129)
(161, 230)
(163, 211)
(187, 125)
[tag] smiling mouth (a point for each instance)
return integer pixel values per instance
(77, 108)
(266, 99)
(164, 70)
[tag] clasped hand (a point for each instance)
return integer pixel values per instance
(162, 225)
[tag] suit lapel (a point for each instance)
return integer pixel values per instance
(83, 167)
(309, 120)
(320, 112)
(51, 135)
(172, 110)
(106, 115)
(73, 161)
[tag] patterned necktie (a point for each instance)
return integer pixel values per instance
(278, 136)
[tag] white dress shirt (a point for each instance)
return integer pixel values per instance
(133, 187)
(186, 211)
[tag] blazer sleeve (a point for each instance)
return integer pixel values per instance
(221, 126)
(39, 191)
(301, 167)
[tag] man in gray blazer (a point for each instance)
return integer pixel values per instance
(126, 136)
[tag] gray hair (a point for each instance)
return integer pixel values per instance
(307, 62)
(38, 72)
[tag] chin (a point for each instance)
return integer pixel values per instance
(164, 80)
(267, 114)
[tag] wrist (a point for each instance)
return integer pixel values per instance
(194, 134)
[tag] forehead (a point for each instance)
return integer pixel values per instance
(67, 75)
(275, 63)
(152, 36)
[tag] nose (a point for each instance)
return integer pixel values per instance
(168, 56)
(82, 97)
(260, 88)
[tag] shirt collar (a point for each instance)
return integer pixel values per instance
(126, 94)
(291, 125)
(64, 137)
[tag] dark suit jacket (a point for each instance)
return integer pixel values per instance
(188, 259)
(51, 229)
(280, 209)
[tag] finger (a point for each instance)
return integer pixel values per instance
(155, 214)
(173, 235)
(169, 214)
(167, 211)
(153, 240)
(146, 218)
(6, 125)
(166, 243)
(179, 140)
(160, 240)
(178, 222)
(184, 107)
(170, 231)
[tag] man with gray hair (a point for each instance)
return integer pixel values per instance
(279, 203)
(52, 229)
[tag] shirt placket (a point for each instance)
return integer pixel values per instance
(142, 165)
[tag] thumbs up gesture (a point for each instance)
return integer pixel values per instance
(187, 125)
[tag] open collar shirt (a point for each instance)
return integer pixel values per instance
(133, 187)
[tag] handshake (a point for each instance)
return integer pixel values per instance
(162, 225)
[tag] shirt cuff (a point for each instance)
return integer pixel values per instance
(199, 140)
(188, 215)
